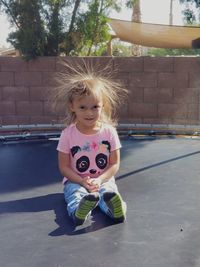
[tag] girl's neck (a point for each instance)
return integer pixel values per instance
(89, 131)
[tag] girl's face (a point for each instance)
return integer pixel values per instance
(88, 111)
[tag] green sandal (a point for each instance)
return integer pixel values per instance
(116, 206)
(87, 203)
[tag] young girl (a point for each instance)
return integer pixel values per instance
(89, 147)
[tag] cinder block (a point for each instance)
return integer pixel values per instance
(178, 121)
(157, 121)
(143, 110)
(48, 79)
(186, 64)
(157, 64)
(178, 111)
(129, 120)
(42, 64)
(167, 80)
(30, 108)
(143, 79)
(193, 112)
(186, 95)
(122, 112)
(28, 78)
(121, 77)
(7, 108)
(158, 95)
(15, 93)
(43, 119)
(15, 120)
(194, 80)
(39, 93)
(13, 64)
(6, 78)
(99, 64)
(135, 95)
(72, 61)
(128, 64)
(48, 109)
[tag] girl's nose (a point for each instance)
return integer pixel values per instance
(93, 171)
(89, 112)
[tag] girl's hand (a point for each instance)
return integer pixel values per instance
(96, 182)
(89, 184)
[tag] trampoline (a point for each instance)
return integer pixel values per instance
(159, 178)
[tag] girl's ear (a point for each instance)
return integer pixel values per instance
(71, 108)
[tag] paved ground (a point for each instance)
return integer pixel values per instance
(160, 181)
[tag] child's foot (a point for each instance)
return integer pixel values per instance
(87, 203)
(116, 206)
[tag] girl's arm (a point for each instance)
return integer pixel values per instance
(114, 162)
(65, 168)
(66, 171)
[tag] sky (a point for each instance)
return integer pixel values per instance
(153, 11)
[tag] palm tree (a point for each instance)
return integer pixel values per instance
(171, 13)
(136, 17)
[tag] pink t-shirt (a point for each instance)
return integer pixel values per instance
(89, 154)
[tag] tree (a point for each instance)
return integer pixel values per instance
(38, 26)
(29, 38)
(55, 32)
(89, 33)
(51, 27)
(188, 12)
(136, 17)
(93, 29)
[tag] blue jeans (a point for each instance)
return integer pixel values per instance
(73, 193)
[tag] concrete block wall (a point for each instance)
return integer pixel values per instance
(161, 90)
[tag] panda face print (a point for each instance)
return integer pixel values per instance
(101, 160)
(82, 164)
(91, 158)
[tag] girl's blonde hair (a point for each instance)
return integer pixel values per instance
(85, 79)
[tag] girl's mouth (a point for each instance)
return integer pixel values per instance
(89, 119)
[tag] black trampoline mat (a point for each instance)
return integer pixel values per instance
(158, 178)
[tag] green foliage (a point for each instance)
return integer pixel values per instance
(131, 3)
(188, 13)
(30, 35)
(172, 52)
(122, 50)
(93, 29)
(196, 2)
(38, 24)
(54, 27)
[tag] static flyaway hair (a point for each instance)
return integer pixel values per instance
(81, 78)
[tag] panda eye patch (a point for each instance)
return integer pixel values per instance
(101, 161)
(82, 164)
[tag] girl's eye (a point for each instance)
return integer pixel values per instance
(82, 107)
(96, 107)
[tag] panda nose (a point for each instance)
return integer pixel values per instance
(92, 171)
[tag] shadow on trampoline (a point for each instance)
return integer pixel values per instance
(157, 164)
(25, 165)
(55, 202)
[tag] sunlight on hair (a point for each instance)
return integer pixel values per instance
(81, 78)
